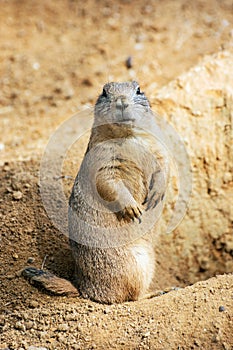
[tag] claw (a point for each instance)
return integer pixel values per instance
(130, 213)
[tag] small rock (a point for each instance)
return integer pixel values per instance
(25, 315)
(76, 347)
(227, 177)
(87, 82)
(63, 327)
(15, 256)
(20, 326)
(106, 311)
(36, 65)
(33, 304)
(29, 324)
(68, 91)
(2, 321)
(90, 308)
(17, 195)
(146, 335)
(221, 308)
(57, 90)
(30, 260)
(16, 186)
(6, 168)
(44, 312)
(129, 62)
(138, 46)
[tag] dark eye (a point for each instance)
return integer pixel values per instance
(138, 92)
(104, 93)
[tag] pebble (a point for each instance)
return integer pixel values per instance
(67, 90)
(63, 327)
(227, 177)
(30, 260)
(76, 346)
(70, 317)
(6, 168)
(29, 324)
(36, 65)
(129, 62)
(44, 312)
(106, 311)
(90, 308)
(20, 326)
(146, 335)
(17, 195)
(221, 308)
(15, 256)
(33, 304)
(87, 82)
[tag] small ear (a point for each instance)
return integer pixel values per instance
(104, 93)
(138, 92)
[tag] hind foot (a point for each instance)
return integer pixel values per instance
(50, 282)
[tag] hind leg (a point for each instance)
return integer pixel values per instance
(50, 282)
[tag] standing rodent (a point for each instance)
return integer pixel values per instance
(116, 198)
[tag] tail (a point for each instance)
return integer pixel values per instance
(50, 282)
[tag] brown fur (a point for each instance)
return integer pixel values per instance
(122, 177)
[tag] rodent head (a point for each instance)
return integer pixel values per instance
(121, 103)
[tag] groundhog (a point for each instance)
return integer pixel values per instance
(116, 201)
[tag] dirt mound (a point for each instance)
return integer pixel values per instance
(199, 106)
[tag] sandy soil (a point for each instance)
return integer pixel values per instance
(55, 56)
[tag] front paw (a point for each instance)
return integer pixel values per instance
(129, 213)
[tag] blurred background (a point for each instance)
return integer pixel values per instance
(56, 55)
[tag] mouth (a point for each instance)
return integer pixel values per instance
(127, 121)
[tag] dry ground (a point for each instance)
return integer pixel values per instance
(55, 56)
